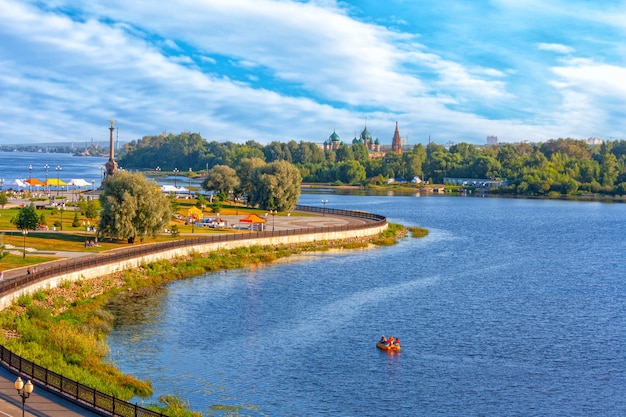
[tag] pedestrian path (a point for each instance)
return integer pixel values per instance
(41, 403)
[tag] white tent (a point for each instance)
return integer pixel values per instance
(78, 182)
(16, 183)
(169, 189)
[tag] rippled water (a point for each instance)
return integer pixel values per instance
(508, 307)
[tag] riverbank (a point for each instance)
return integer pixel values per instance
(68, 325)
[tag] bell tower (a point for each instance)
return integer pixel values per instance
(396, 143)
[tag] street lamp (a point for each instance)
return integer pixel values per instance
(175, 173)
(189, 186)
(30, 176)
(23, 391)
(58, 169)
(2, 184)
(24, 233)
(324, 202)
(46, 167)
(62, 210)
(93, 185)
(273, 213)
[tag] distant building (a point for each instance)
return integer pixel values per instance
(366, 139)
(492, 140)
(594, 141)
(332, 143)
(396, 143)
(373, 146)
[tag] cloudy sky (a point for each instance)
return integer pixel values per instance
(236, 70)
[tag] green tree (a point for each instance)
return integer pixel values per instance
(75, 220)
(244, 172)
(91, 209)
(132, 206)
(360, 152)
(276, 186)
(3, 199)
(26, 218)
(221, 178)
(344, 153)
(350, 172)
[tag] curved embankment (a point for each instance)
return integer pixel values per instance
(53, 274)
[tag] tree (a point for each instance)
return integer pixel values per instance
(132, 206)
(91, 210)
(3, 199)
(350, 172)
(276, 186)
(221, 178)
(244, 172)
(26, 218)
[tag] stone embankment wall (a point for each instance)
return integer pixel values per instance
(7, 298)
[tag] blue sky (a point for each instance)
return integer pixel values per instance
(238, 70)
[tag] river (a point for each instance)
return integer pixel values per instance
(508, 307)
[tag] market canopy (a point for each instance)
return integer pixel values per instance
(78, 182)
(194, 213)
(168, 189)
(252, 218)
(17, 183)
(34, 182)
(55, 182)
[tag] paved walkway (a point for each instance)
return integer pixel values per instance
(41, 403)
(46, 404)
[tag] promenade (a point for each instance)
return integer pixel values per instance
(43, 403)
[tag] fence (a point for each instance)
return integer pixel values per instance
(106, 404)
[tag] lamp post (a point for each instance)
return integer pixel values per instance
(46, 167)
(158, 170)
(2, 184)
(58, 169)
(30, 176)
(93, 185)
(62, 210)
(324, 202)
(23, 391)
(175, 174)
(24, 233)
(273, 213)
(189, 183)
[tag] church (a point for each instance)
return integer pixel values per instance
(372, 145)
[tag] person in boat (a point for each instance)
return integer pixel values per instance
(396, 342)
(390, 341)
(383, 339)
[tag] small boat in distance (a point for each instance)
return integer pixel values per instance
(391, 344)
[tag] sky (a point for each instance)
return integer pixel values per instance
(280, 70)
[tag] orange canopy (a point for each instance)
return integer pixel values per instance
(252, 218)
(35, 182)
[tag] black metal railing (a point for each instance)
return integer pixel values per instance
(98, 401)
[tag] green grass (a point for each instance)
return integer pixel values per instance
(418, 232)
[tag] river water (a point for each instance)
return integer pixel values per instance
(509, 307)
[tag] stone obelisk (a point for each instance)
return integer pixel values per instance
(111, 165)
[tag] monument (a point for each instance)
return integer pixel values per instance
(111, 165)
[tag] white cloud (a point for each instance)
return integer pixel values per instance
(140, 71)
(555, 47)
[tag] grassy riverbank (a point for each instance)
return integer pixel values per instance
(65, 329)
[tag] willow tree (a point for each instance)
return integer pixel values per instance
(275, 186)
(132, 206)
(221, 179)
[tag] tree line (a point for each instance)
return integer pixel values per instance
(566, 166)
